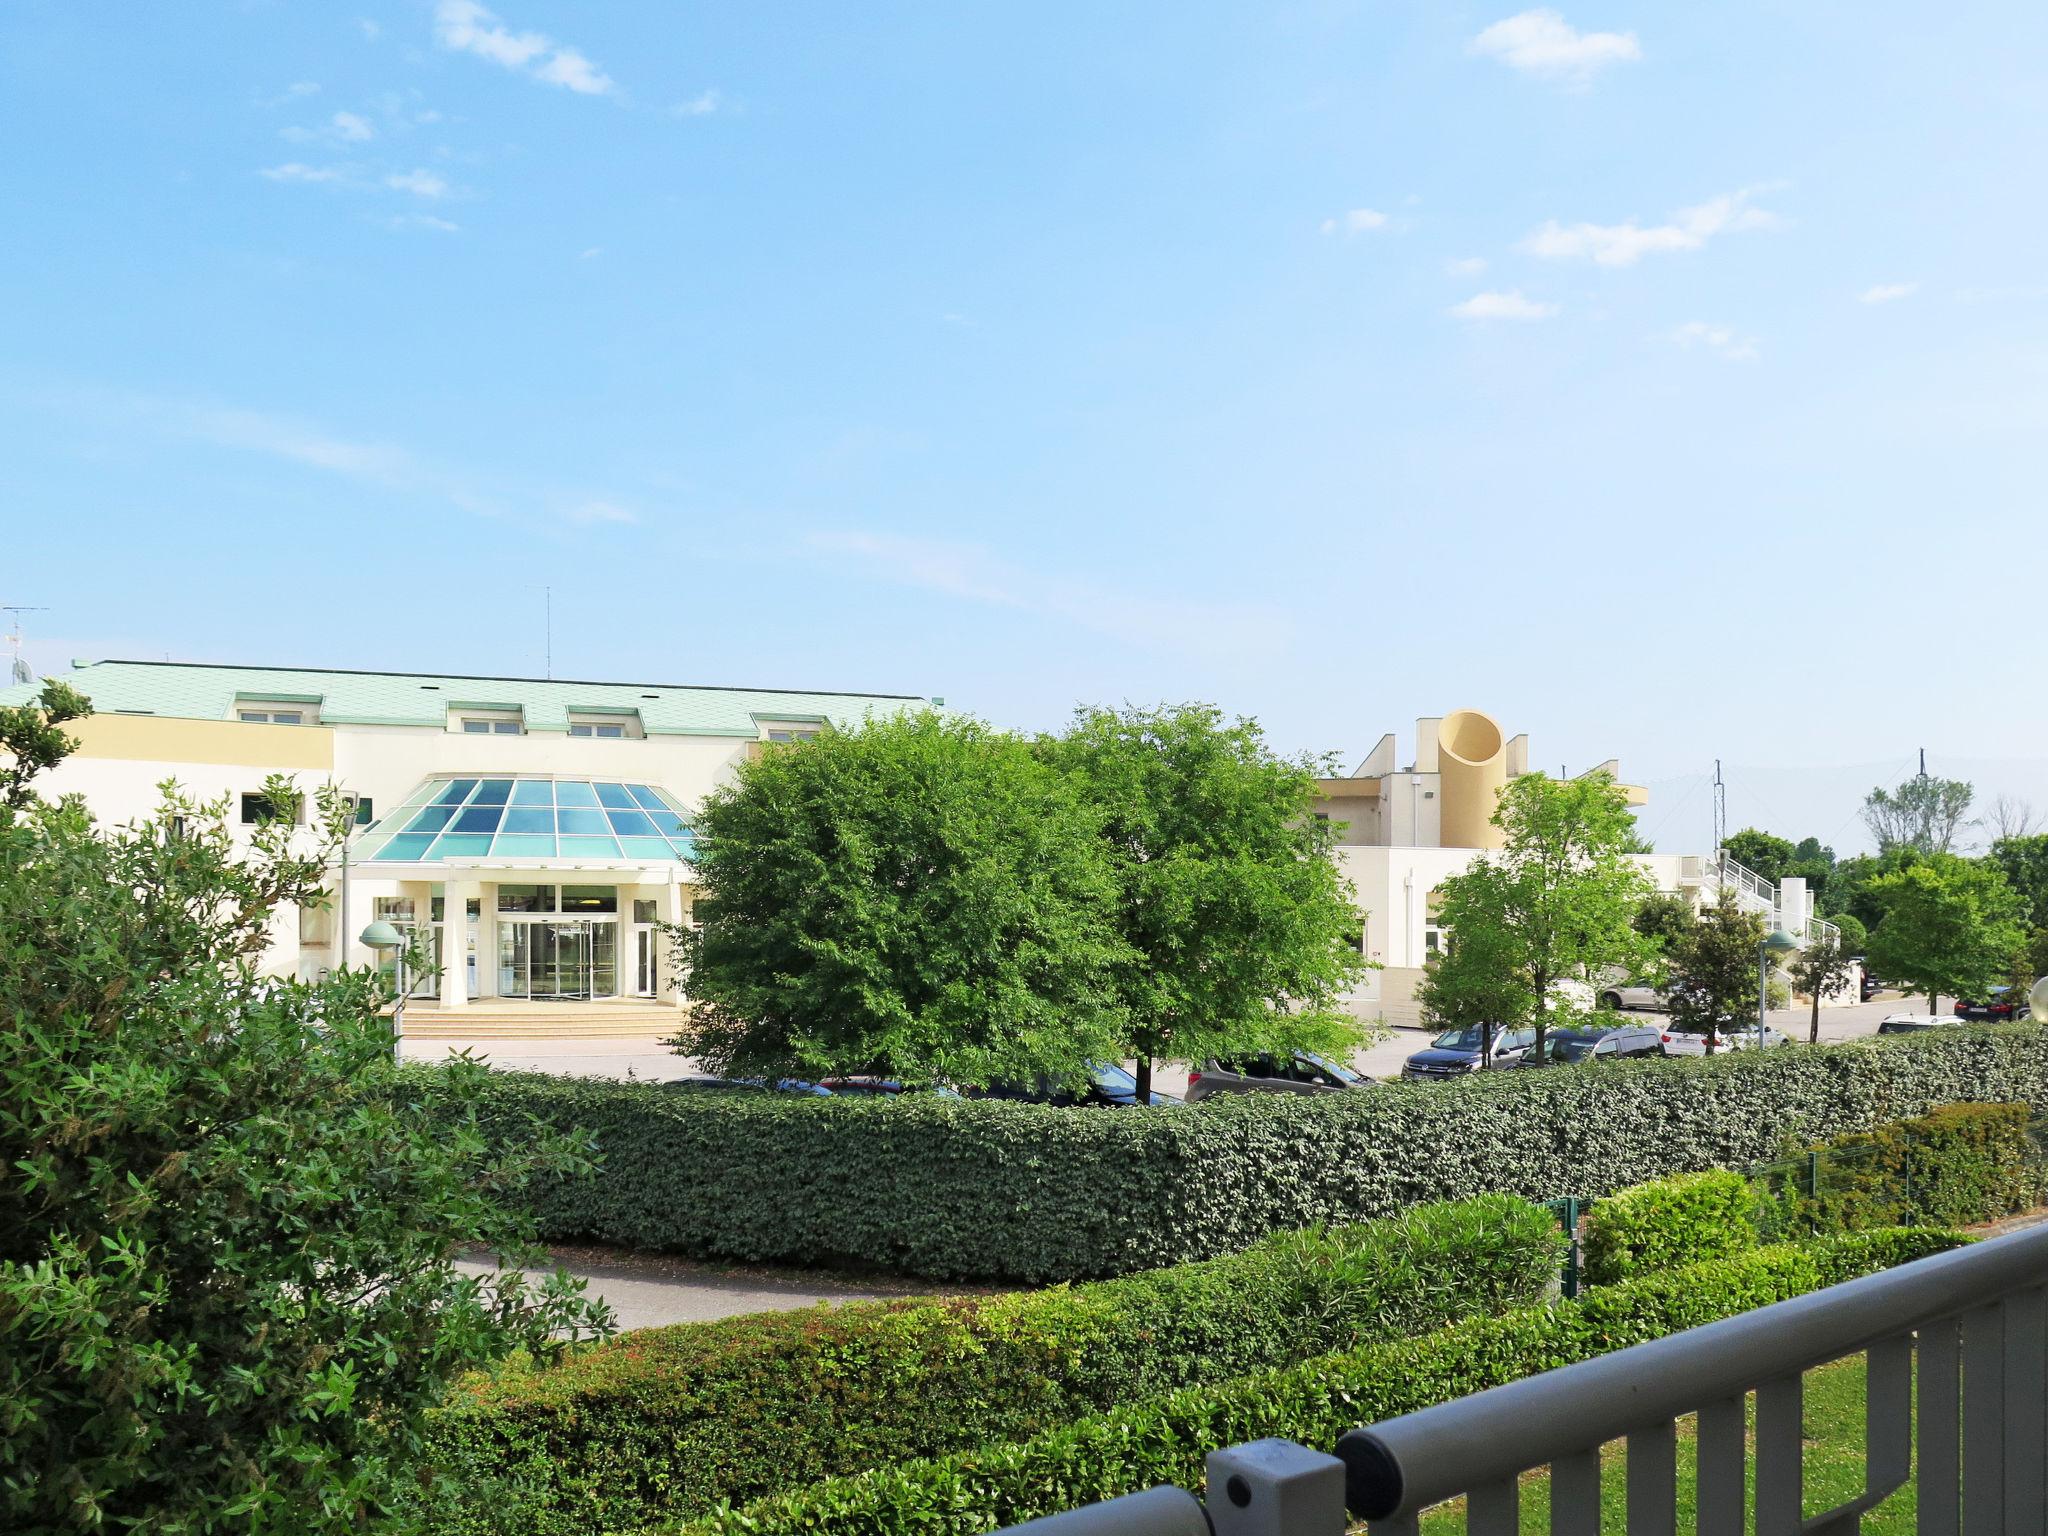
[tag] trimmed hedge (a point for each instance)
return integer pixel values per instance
(990, 1190)
(668, 1421)
(1668, 1222)
(1958, 1166)
(1315, 1402)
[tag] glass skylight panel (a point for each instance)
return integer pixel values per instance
(512, 817)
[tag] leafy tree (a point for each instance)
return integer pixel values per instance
(32, 740)
(1716, 965)
(2009, 816)
(1924, 814)
(1825, 964)
(1813, 862)
(1853, 886)
(1855, 938)
(227, 1295)
(1239, 928)
(1766, 854)
(1664, 918)
(1951, 926)
(1556, 901)
(2024, 863)
(922, 896)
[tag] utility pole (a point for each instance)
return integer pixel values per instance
(1720, 809)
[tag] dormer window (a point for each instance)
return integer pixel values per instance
(489, 722)
(790, 730)
(623, 726)
(276, 712)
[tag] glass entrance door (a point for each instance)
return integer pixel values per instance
(557, 958)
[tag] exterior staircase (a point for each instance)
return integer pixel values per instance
(623, 1018)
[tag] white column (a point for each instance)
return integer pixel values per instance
(670, 908)
(487, 939)
(455, 942)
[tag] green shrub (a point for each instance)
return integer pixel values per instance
(1958, 1166)
(1027, 1192)
(674, 1420)
(1314, 1402)
(1668, 1222)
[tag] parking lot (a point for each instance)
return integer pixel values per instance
(649, 1059)
(1384, 1060)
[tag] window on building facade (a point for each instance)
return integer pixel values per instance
(792, 732)
(613, 725)
(258, 808)
(474, 726)
(366, 811)
(271, 716)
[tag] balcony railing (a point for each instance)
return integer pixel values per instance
(1957, 1366)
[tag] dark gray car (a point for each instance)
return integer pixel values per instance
(1563, 1047)
(1303, 1072)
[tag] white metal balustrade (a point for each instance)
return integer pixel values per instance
(1957, 1367)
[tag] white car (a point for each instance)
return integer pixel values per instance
(1685, 1042)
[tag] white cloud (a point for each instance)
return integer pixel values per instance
(1623, 245)
(298, 90)
(468, 27)
(422, 221)
(1717, 339)
(602, 512)
(1542, 43)
(1237, 633)
(371, 31)
(1465, 266)
(347, 125)
(590, 253)
(292, 170)
(418, 182)
(1886, 293)
(1510, 305)
(703, 104)
(1356, 222)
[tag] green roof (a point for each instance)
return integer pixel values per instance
(202, 691)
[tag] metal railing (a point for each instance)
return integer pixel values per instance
(1957, 1370)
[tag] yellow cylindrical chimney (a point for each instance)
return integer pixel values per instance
(1472, 758)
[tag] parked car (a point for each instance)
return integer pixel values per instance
(1634, 994)
(1302, 1072)
(1456, 1052)
(1871, 986)
(869, 1085)
(1687, 1042)
(1112, 1087)
(1565, 1046)
(1917, 1023)
(2000, 1005)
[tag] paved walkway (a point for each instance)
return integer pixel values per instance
(650, 1290)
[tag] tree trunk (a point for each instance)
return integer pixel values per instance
(1144, 1077)
(1933, 1003)
(1542, 1015)
(1813, 1035)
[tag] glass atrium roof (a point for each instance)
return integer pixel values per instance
(524, 816)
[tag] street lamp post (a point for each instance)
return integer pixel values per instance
(381, 936)
(1776, 942)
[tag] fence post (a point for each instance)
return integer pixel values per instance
(1566, 1208)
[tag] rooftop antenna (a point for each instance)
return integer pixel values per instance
(1720, 809)
(17, 666)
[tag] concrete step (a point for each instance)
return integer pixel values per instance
(541, 1021)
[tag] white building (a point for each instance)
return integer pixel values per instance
(1404, 828)
(547, 821)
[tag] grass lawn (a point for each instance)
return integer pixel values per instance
(1834, 1467)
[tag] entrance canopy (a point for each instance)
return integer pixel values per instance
(530, 819)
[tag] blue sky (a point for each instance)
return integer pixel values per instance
(1666, 379)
